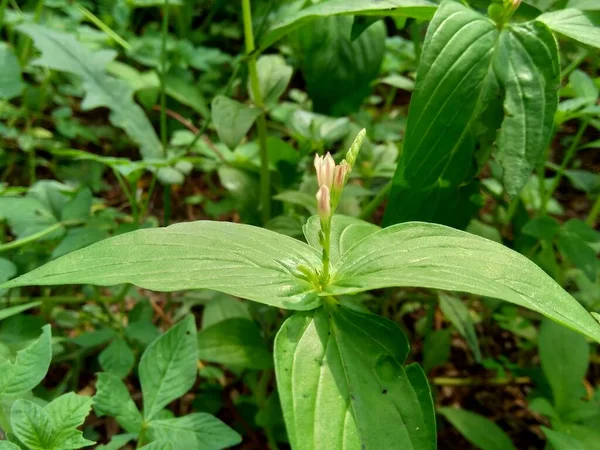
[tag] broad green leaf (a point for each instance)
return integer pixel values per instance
(234, 342)
(439, 257)
(29, 368)
(159, 445)
(76, 238)
(420, 9)
(562, 441)
(232, 119)
(457, 313)
(274, 76)
(588, 436)
(335, 369)
(117, 442)
(526, 64)
(11, 83)
(583, 26)
(578, 252)
(199, 431)
(223, 307)
(5, 445)
(117, 358)
(27, 216)
(112, 398)
(478, 430)
(66, 413)
(31, 425)
(564, 356)
(338, 75)
(61, 51)
(346, 231)
(436, 349)
(168, 367)
(454, 79)
(543, 228)
(583, 85)
(240, 260)
(186, 94)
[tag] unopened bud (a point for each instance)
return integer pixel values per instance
(325, 167)
(324, 203)
(355, 147)
(340, 175)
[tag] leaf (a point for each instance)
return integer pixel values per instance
(234, 342)
(79, 207)
(61, 51)
(223, 307)
(346, 231)
(436, 349)
(31, 425)
(117, 442)
(335, 368)
(76, 238)
(564, 356)
(117, 358)
(457, 313)
(186, 94)
(66, 413)
(199, 431)
(543, 228)
(14, 310)
(420, 9)
(562, 441)
(232, 119)
(454, 80)
(112, 398)
(168, 367)
(159, 445)
(478, 430)
(274, 75)
(577, 251)
(27, 216)
(526, 63)
(439, 257)
(339, 75)
(583, 26)
(11, 82)
(30, 366)
(240, 260)
(5, 445)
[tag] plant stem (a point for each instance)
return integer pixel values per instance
(565, 162)
(27, 40)
(595, 211)
(451, 381)
(372, 206)
(261, 122)
(3, 5)
(66, 299)
(102, 26)
(142, 436)
(579, 58)
(325, 238)
(163, 110)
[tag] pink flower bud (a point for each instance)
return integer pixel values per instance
(340, 175)
(325, 167)
(324, 203)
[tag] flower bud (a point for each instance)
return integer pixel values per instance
(324, 203)
(340, 175)
(355, 147)
(325, 167)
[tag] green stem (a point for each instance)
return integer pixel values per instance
(372, 206)
(31, 238)
(325, 238)
(593, 215)
(579, 58)
(163, 110)
(142, 436)
(102, 26)
(166, 205)
(3, 5)
(565, 162)
(27, 41)
(451, 381)
(261, 122)
(61, 299)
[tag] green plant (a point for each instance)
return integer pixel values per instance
(330, 359)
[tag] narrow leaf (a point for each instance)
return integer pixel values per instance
(478, 430)
(11, 83)
(168, 367)
(335, 368)
(439, 257)
(457, 313)
(240, 260)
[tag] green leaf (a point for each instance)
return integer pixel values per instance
(564, 356)
(31, 425)
(199, 431)
(439, 257)
(478, 430)
(234, 342)
(436, 349)
(11, 83)
(117, 358)
(454, 80)
(346, 231)
(420, 9)
(117, 442)
(186, 94)
(583, 26)
(5, 445)
(457, 313)
(30, 366)
(223, 307)
(66, 413)
(232, 119)
(526, 64)
(61, 51)
(274, 75)
(339, 75)
(200, 255)
(112, 398)
(168, 367)
(27, 216)
(14, 310)
(562, 441)
(577, 251)
(543, 228)
(335, 369)
(159, 445)
(79, 207)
